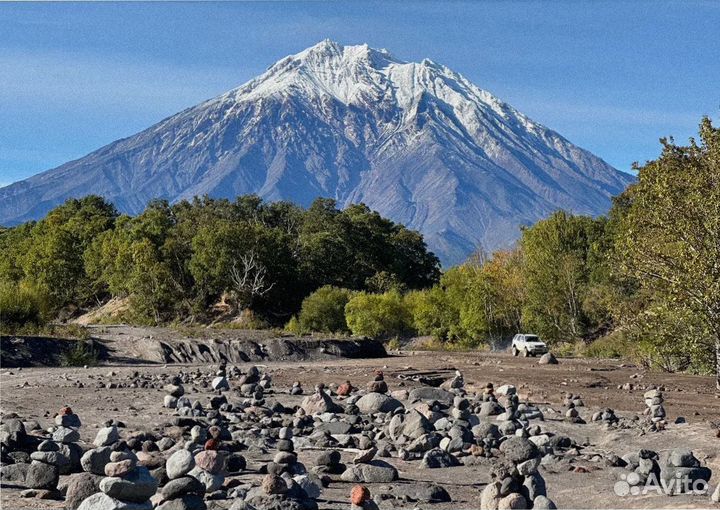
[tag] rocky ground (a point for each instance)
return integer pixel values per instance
(488, 444)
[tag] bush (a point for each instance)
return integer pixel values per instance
(21, 306)
(80, 355)
(324, 310)
(393, 344)
(378, 315)
(570, 349)
(293, 326)
(612, 346)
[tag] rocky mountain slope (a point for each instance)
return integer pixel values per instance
(417, 142)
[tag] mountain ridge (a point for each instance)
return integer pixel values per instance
(417, 142)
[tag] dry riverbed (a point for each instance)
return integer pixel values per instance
(39, 393)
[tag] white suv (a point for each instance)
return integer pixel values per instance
(528, 345)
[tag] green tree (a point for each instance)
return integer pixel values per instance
(324, 310)
(556, 274)
(432, 313)
(53, 257)
(669, 236)
(492, 305)
(378, 315)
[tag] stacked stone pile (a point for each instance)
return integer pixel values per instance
(127, 485)
(655, 410)
(516, 480)
(174, 391)
(182, 491)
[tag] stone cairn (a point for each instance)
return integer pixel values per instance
(174, 391)
(655, 411)
(296, 388)
(285, 460)
(182, 491)
(127, 485)
(56, 456)
(43, 473)
(571, 403)
(67, 435)
(606, 416)
(681, 471)
(378, 384)
(516, 480)
(328, 463)
(209, 467)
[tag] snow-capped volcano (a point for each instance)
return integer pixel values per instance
(415, 141)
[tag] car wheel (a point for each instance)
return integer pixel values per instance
(525, 353)
(515, 351)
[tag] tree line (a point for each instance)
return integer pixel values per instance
(175, 263)
(642, 281)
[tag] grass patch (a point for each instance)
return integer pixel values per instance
(80, 355)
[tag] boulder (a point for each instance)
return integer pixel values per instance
(212, 482)
(543, 503)
(93, 461)
(187, 502)
(66, 435)
(101, 501)
(137, 487)
(42, 476)
(518, 449)
(378, 471)
(14, 473)
(430, 393)
(513, 501)
(106, 436)
(80, 486)
(548, 359)
(437, 458)
(377, 403)
(490, 496)
(183, 485)
(319, 403)
(179, 464)
(685, 479)
(211, 461)
(220, 383)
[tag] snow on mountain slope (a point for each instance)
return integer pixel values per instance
(415, 141)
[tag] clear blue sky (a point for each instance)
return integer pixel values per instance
(612, 76)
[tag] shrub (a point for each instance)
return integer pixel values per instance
(570, 349)
(80, 355)
(324, 310)
(612, 346)
(293, 326)
(378, 315)
(21, 306)
(393, 344)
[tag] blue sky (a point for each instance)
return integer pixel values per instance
(611, 76)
